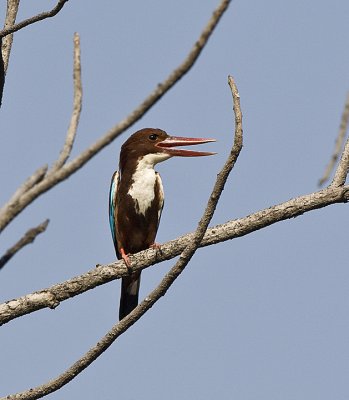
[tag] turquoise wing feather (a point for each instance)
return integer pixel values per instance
(112, 207)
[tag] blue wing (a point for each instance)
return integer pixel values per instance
(112, 207)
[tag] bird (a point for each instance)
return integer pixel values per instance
(136, 199)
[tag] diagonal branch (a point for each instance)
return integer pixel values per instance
(28, 238)
(123, 325)
(8, 213)
(32, 20)
(343, 128)
(77, 105)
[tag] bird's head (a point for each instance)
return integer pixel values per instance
(158, 146)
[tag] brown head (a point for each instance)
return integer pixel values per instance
(156, 142)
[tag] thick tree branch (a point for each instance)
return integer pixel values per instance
(343, 128)
(51, 297)
(166, 282)
(77, 106)
(32, 20)
(8, 213)
(28, 238)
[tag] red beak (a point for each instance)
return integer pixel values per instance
(174, 141)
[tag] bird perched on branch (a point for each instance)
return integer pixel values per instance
(136, 199)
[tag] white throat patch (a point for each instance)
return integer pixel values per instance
(144, 178)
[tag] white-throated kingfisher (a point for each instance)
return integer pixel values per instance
(136, 199)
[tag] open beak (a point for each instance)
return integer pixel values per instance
(175, 141)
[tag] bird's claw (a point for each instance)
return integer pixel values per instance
(126, 258)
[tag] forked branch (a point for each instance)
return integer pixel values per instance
(34, 19)
(6, 35)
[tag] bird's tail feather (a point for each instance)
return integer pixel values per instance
(129, 294)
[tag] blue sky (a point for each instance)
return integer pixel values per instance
(260, 317)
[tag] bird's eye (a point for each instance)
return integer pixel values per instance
(153, 136)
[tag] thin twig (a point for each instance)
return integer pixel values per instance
(28, 238)
(32, 20)
(7, 215)
(123, 325)
(77, 105)
(10, 19)
(343, 128)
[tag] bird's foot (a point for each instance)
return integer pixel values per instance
(126, 258)
(157, 248)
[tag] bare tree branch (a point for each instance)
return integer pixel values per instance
(343, 128)
(10, 19)
(77, 105)
(7, 214)
(51, 297)
(123, 325)
(32, 20)
(28, 238)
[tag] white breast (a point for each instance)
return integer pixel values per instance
(144, 178)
